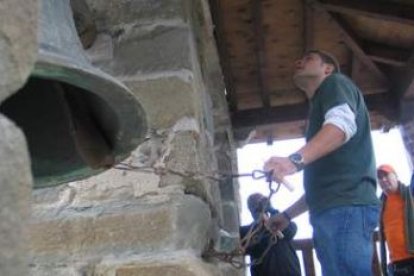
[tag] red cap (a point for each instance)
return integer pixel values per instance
(386, 168)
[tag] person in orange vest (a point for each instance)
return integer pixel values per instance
(396, 223)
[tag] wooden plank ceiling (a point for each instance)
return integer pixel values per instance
(259, 40)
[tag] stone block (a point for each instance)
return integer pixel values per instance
(15, 186)
(165, 100)
(161, 223)
(189, 163)
(117, 12)
(114, 185)
(18, 43)
(171, 264)
(229, 270)
(149, 50)
(61, 269)
(230, 216)
(111, 185)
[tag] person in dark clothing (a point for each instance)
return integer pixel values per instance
(281, 258)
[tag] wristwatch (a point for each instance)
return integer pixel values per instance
(297, 160)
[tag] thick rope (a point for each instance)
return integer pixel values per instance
(252, 236)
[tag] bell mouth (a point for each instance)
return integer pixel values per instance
(76, 123)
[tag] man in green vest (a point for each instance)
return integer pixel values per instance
(339, 169)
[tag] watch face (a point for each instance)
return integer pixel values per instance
(296, 158)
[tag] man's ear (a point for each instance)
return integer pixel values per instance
(329, 69)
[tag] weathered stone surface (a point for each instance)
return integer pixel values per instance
(230, 216)
(84, 22)
(15, 186)
(62, 269)
(229, 270)
(114, 12)
(18, 43)
(189, 163)
(151, 49)
(166, 270)
(112, 185)
(171, 264)
(161, 223)
(165, 100)
(101, 50)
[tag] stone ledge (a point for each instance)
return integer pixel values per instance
(182, 263)
(177, 263)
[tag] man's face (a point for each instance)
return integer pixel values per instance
(309, 66)
(388, 182)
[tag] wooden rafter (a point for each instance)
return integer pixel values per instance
(381, 53)
(410, 60)
(216, 12)
(351, 40)
(260, 116)
(408, 80)
(379, 102)
(404, 83)
(381, 10)
(388, 61)
(257, 14)
(407, 101)
(309, 30)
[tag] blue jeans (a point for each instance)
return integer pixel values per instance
(343, 239)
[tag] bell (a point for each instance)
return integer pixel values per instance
(77, 120)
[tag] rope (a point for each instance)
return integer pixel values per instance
(252, 236)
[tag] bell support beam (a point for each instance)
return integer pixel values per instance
(396, 12)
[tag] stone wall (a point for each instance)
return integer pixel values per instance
(17, 54)
(158, 218)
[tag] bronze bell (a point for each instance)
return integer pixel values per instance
(77, 119)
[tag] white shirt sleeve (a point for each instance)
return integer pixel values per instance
(342, 117)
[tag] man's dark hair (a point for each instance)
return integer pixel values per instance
(326, 58)
(256, 201)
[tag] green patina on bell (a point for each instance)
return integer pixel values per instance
(77, 119)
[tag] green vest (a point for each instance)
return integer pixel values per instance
(346, 176)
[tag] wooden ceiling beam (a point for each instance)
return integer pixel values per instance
(396, 12)
(217, 16)
(351, 40)
(388, 61)
(260, 51)
(386, 51)
(403, 88)
(308, 29)
(404, 91)
(261, 116)
(407, 82)
(379, 102)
